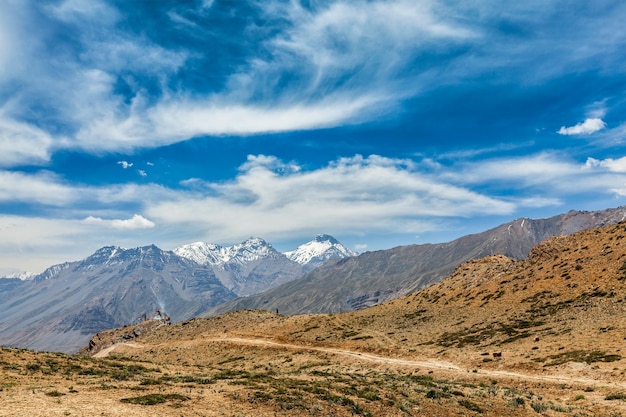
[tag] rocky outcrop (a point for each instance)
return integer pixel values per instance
(124, 334)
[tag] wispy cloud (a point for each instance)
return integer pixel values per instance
(544, 178)
(584, 128)
(343, 58)
(125, 164)
(22, 143)
(320, 64)
(46, 191)
(134, 223)
(43, 188)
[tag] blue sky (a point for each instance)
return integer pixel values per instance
(382, 122)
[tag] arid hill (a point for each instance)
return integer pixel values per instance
(542, 336)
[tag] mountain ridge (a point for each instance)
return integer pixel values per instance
(378, 276)
(114, 286)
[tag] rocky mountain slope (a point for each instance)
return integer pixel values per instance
(62, 307)
(540, 336)
(374, 277)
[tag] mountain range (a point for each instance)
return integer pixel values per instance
(62, 307)
(254, 265)
(374, 277)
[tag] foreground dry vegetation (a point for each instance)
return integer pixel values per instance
(499, 337)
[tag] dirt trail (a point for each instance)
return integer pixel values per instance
(427, 363)
(105, 352)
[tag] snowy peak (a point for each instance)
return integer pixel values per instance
(203, 253)
(326, 239)
(22, 275)
(312, 254)
(319, 251)
(250, 250)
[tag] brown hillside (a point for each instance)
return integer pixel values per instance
(543, 336)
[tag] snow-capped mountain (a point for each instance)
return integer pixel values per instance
(254, 265)
(319, 251)
(61, 307)
(311, 254)
(246, 268)
(250, 250)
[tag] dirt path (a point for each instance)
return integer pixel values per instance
(432, 364)
(427, 363)
(105, 352)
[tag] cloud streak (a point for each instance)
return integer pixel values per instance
(587, 127)
(271, 198)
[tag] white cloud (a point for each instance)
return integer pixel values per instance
(80, 12)
(347, 62)
(587, 127)
(134, 223)
(540, 180)
(172, 121)
(47, 189)
(379, 39)
(142, 173)
(610, 164)
(537, 169)
(382, 193)
(355, 196)
(360, 247)
(125, 164)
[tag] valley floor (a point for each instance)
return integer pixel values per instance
(247, 376)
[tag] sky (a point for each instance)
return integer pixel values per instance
(381, 122)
